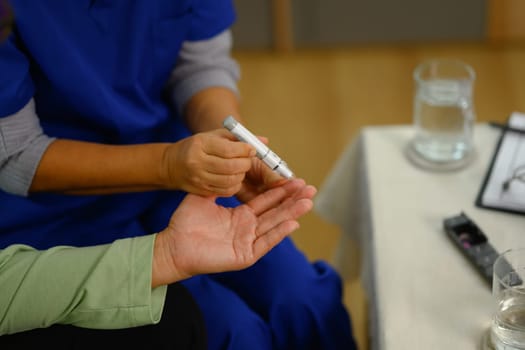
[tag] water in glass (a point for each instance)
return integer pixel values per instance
(443, 118)
(508, 328)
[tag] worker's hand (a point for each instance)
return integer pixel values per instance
(204, 237)
(209, 164)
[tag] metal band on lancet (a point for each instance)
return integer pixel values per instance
(263, 152)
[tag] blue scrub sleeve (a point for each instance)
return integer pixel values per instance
(210, 17)
(16, 86)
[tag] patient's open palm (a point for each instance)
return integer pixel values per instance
(206, 237)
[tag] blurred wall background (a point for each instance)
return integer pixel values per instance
(314, 72)
(318, 23)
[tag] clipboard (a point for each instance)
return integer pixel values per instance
(508, 157)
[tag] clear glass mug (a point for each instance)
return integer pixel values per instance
(507, 331)
(443, 114)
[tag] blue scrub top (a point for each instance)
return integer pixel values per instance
(97, 70)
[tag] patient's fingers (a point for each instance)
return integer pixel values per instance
(270, 239)
(274, 196)
(289, 209)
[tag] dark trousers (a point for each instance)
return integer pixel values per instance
(181, 327)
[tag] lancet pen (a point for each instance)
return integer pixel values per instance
(263, 152)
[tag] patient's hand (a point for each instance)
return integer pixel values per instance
(204, 237)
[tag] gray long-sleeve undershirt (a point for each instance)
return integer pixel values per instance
(201, 64)
(22, 144)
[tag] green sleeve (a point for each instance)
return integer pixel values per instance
(104, 286)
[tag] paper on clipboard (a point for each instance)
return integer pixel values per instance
(509, 155)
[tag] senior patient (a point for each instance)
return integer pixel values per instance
(124, 284)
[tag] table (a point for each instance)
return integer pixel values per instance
(422, 293)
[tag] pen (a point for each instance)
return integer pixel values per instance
(263, 152)
(506, 127)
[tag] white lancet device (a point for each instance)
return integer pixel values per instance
(263, 152)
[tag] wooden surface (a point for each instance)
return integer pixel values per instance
(282, 25)
(505, 20)
(311, 103)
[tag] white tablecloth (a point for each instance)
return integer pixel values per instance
(423, 294)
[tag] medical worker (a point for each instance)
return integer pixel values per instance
(110, 112)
